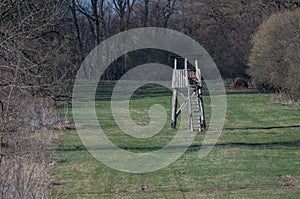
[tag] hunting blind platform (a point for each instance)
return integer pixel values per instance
(190, 80)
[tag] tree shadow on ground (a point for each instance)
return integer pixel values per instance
(291, 145)
(263, 128)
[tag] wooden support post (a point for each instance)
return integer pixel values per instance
(174, 108)
(202, 120)
(174, 100)
(198, 73)
(200, 97)
(196, 64)
(175, 64)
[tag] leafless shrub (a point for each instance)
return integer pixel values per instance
(23, 178)
(240, 83)
(33, 64)
(25, 168)
(282, 98)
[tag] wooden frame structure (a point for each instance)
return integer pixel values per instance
(190, 80)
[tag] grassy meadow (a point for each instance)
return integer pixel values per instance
(257, 155)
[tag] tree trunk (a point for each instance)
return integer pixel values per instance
(96, 21)
(75, 21)
(146, 13)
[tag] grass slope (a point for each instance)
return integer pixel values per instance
(257, 155)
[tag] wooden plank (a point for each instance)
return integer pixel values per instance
(174, 108)
(189, 95)
(183, 104)
(179, 79)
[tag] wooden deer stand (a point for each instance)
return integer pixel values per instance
(191, 80)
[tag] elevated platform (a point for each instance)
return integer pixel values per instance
(191, 80)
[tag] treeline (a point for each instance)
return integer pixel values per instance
(43, 42)
(223, 28)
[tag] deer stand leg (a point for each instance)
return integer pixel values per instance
(201, 107)
(202, 118)
(174, 108)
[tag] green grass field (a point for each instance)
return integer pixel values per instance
(257, 155)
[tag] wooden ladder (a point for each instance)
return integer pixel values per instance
(196, 120)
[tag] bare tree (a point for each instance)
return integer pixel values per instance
(146, 13)
(158, 12)
(124, 9)
(90, 11)
(169, 10)
(224, 28)
(33, 57)
(73, 7)
(34, 63)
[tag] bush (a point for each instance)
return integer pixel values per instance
(240, 83)
(25, 167)
(274, 60)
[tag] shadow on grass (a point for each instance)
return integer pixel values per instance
(263, 128)
(256, 146)
(196, 147)
(105, 90)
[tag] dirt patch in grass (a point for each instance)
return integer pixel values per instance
(290, 181)
(143, 189)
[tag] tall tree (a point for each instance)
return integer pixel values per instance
(130, 6)
(120, 7)
(73, 7)
(146, 13)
